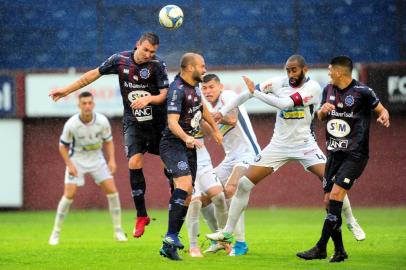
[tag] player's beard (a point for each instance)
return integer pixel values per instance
(296, 82)
(197, 76)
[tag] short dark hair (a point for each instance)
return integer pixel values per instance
(297, 57)
(343, 61)
(85, 94)
(151, 37)
(209, 77)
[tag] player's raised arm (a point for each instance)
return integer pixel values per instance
(86, 79)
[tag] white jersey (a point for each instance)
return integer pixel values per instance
(238, 140)
(86, 140)
(293, 125)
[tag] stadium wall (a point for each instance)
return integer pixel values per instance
(382, 184)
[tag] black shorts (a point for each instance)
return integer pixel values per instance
(179, 160)
(142, 138)
(342, 169)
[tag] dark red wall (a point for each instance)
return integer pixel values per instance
(382, 183)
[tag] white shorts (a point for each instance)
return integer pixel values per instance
(100, 172)
(225, 168)
(276, 156)
(205, 179)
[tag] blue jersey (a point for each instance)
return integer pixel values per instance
(138, 80)
(184, 99)
(347, 128)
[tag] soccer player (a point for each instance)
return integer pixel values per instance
(207, 197)
(178, 145)
(346, 106)
(83, 137)
(143, 84)
(240, 146)
(296, 97)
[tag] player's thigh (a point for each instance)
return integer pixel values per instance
(175, 156)
(70, 190)
(101, 173)
(349, 171)
(135, 139)
(155, 138)
(206, 180)
(78, 180)
(256, 173)
(272, 157)
(231, 186)
(224, 170)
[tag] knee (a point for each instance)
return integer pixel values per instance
(135, 162)
(245, 185)
(69, 194)
(230, 190)
(335, 195)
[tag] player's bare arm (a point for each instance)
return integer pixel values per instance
(176, 129)
(64, 151)
(109, 150)
(250, 84)
(86, 79)
(383, 115)
(209, 119)
(324, 111)
(230, 118)
(141, 103)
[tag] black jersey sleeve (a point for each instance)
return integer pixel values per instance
(371, 98)
(110, 66)
(174, 99)
(324, 96)
(162, 80)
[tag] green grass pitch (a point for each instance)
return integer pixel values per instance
(274, 236)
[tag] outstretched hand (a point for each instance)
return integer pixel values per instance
(57, 94)
(250, 84)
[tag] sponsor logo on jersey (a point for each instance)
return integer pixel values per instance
(135, 85)
(337, 144)
(145, 73)
(342, 114)
(143, 114)
(338, 128)
(349, 100)
(91, 147)
(134, 95)
(182, 165)
(294, 113)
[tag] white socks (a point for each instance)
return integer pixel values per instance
(115, 209)
(192, 222)
(208, 214)
(220, 209)
(239, 230)
(238, 203)
(61, 212)
(347, 210)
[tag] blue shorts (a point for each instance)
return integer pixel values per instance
(142, 138)
(179, 160)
